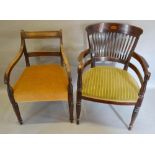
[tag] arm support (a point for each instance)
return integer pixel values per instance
(66, 63)
(13, 63)
(81, 58)
(143, 63)
(68, 70)
(147, 74)
(81, 67)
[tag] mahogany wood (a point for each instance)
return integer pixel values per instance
(23, 50)
(113, 42)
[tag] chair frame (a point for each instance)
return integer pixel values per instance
(23, 51)
(91, 62)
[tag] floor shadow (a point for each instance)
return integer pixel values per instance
(119, 116)
(46, 113)
(99, 114)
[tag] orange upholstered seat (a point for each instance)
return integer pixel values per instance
(42, 83)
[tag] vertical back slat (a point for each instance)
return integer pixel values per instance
(132, 40)
(113, 40)
(115, 45)
(126, 52)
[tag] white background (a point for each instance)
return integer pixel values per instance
(80, 144)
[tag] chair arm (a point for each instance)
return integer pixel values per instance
(81, 58)
(65, 62)
(81, 67)
(143, 63)
(13, 63)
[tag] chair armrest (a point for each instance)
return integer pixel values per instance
(143, 63)
(81, 58)
(147, 74)
(81, 67)
(13, 63)
(65, 62)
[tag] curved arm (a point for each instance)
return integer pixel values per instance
(81, 58)
(143, 63)
(13, 63)
(83, 54)
(147, 74)
(135, 69)
(65, 62)
(81, 67)
(68, 70)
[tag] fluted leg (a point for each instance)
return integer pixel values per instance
(134, 116)
(135, 111)
(78, 108)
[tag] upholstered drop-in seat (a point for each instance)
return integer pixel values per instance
(42, 83)
(109, 83)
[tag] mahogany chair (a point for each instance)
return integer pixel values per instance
(109, 84)
(45, 82)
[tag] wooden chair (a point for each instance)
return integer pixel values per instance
(108, 84)
(48, 82)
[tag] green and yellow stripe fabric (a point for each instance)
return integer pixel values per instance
(109, 83)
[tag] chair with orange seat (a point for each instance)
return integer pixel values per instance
(48, 82)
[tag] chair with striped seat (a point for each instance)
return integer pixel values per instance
(109, 84)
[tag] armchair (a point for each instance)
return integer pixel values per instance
(107, 84)
(48, 82)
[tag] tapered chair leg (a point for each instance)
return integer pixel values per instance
(134, 116)
(78, 108)
(17, 112)
(14, 104)
(71, 109)
(70, 102)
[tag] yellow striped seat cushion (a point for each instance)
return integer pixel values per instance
(109, 83)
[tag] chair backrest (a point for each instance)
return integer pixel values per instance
(112, 41)
(40, 35)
